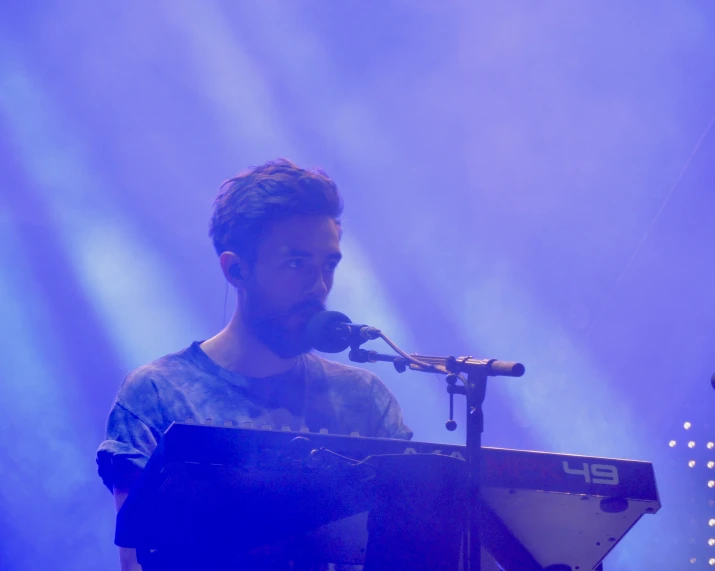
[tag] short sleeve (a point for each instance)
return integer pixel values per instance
(125, 452)
(392, 424)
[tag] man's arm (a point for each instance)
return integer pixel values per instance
(127, 555)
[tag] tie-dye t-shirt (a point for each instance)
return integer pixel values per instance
(316, 393)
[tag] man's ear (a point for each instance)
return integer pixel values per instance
(235, 269)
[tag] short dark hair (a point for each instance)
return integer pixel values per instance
(250, 202)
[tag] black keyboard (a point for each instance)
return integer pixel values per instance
(559, 509)
(501, 468)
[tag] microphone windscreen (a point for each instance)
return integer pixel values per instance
(325, 334)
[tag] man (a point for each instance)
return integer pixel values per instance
(276, 230)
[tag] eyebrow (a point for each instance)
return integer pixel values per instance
(305, 254)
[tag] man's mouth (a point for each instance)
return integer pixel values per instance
(309, 308)
(305, 312)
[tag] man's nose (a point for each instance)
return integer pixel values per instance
(319, 286)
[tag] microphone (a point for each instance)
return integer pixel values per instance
(333, 332)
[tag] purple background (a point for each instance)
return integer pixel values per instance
(532, 181)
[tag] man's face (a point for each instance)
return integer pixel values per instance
(290, 281)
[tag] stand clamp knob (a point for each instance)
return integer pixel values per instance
(451, 424)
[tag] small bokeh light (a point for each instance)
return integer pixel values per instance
(691, 464)
(710, 445)
(711, 561)
(687, 425)
(691, 444)
(671, 443)
(711, 464)
(711, 542)
(711, 523)
(711, 484)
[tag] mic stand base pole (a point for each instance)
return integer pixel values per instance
(476, 391)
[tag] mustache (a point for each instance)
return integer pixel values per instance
(308, 304)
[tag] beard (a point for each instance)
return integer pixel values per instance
(272, 328)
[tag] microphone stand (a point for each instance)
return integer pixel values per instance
(474, 389)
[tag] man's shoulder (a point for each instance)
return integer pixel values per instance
(155, 375)
(342, 378)
(341, 371)
(362, 394)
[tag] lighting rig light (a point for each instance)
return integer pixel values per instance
(698, 458)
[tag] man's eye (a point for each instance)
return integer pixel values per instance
(295, 263)
(331, 266)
